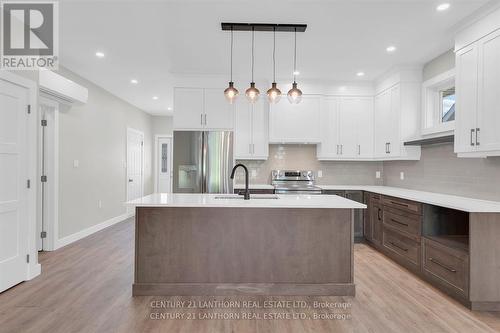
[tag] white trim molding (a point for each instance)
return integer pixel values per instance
(431, 108)
(91, 230)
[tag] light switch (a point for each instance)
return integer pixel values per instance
(377, 174)
(76, 163)
(320, 173)
(402, 175)
(99, 204)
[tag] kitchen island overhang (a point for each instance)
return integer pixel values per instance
(207, 244)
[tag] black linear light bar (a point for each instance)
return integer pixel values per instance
(263, 27)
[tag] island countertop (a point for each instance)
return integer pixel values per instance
(256, 201)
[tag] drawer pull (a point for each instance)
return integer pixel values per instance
(397, 246)
(396, 221)
(442, 265)
(399, 204)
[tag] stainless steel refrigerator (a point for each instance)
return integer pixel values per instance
(203, 161)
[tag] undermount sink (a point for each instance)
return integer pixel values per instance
(240, 197)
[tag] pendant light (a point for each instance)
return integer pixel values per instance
(274, 94)
(252, 93)
(231, 92)
(295, 94)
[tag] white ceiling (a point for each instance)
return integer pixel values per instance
(153, 41)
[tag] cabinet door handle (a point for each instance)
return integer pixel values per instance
(201, 119)
(472, 137)
(389, 147)
(205, 116)
(477, 136)
(442, 265)
(341, 149)
(398, 246)
(378, 214)
(359, 149)
(398, 222)
(399, 204)
(253, 148)
(337, 149)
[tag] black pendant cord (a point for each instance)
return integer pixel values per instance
(231, 70)
(274, 55)
(295, 57)
(253, 33)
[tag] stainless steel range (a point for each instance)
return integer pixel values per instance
(294, 182)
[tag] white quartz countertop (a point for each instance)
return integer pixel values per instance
(256, 201)
(470, 205)
(254, 186)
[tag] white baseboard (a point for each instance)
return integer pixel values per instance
(89, 231)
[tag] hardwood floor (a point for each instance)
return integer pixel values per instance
(86, 287)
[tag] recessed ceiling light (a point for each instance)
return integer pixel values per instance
(296, 73)
(391, 48)
(360, 73)
(169, 108)
(443, 7)
(134, 81)
(99, 54)
(155, 97)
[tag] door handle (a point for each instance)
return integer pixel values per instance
(359, 149)
(398, 246)
(130, 180)
(472, 137)
(201, 118)
(442, 265)
(477, 136)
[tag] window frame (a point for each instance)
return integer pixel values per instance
(432, 105)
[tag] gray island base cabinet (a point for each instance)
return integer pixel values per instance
(213, 251)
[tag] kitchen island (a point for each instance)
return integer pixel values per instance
(219, 244)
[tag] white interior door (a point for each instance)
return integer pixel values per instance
(13, 185)
(135, 164)
(164, 165)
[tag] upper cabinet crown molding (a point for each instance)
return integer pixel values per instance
(487, 23)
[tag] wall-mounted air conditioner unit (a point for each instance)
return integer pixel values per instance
(63, 90)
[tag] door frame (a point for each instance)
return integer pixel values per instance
(33, 267)
(51, 199)
(135, 131)
(157, 159)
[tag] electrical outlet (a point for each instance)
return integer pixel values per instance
(76, 163)
(377, 174)
(402, 175)
(320, 173)
(99, 204)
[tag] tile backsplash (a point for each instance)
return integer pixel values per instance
(303, 157)
(439, 170)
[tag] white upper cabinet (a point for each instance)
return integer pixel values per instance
(397, 117)
(346, 128)
(218, 111)
(295, 123)
(251, 133)
(198, 108)
(478, 89)
(188, 108)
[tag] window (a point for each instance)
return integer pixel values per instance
(447, 105)
(438, 107)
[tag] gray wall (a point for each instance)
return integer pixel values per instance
(439, 169)
(303, 157)
(438, 65)
(162, 125)
(96, 135)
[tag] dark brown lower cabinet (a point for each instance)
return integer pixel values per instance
(446, 267)
(430, 241)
